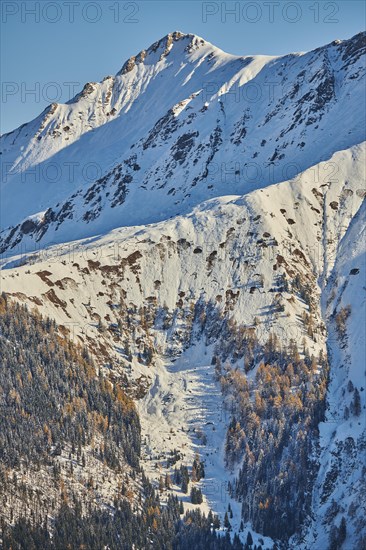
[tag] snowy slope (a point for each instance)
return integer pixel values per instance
(181, 122)
(340, 486)
(227, 255)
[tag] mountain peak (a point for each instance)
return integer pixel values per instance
(161, 49)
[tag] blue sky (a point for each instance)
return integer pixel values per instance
(47, 44)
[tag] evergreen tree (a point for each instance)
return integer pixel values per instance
(227, 523)
(356, 403)
(216, 522)
(196, 496)
(333, 538)
(342, 532)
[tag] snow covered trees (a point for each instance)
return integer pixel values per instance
(355, 407)
(272, 432)
(337, 535)
(341, 319)
(53, 399)
(196, 496)
(198, 469)
(235, 442)
(161, 528)
(55, 405)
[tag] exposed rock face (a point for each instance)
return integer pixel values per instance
(164, 46)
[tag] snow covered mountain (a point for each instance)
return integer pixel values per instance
(217, 262)
(180, 123)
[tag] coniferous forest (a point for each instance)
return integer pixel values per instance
(58, 418)
(153, 526)
(52, 396)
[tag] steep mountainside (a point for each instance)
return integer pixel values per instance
(66, 433)
(180, 123)
(214, 283)
(216, 271)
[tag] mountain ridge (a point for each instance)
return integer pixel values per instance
(213, 137)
